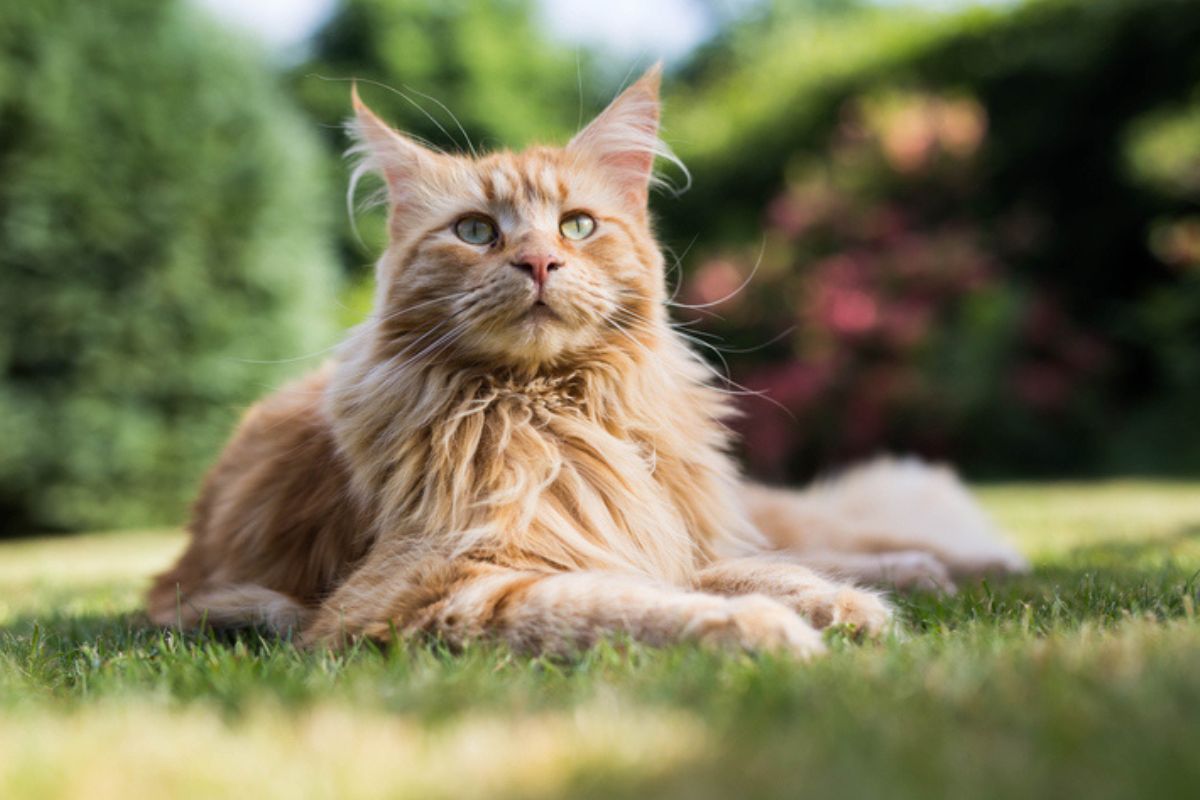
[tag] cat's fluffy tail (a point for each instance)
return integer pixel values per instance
(231, 605)
(888, 505)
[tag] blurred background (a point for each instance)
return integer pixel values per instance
(966, 231)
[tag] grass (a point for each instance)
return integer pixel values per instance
(1081, 679)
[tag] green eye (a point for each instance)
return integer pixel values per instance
(475, 230)
(577, 226)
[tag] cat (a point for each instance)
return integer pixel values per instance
(517, 446)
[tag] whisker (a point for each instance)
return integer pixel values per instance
(579, 82)
(291, 360)
(738, 389)
(394, 313)
(757, 263)
(699, 342)
(410, 346)
(443, 106)
(677, 268)
(406, 99)
(379, 197)
(451, 298)
(621, 329)
(755, 348)
(445, 341)
(685, 326)
(688, 333)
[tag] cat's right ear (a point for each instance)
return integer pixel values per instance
(402, 163)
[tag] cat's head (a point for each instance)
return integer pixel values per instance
(523, 259)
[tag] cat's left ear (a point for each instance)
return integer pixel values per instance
(624, 138)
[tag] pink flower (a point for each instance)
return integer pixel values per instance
(716, 283)
(840, 298)
(795, 385)
(787, 214)
(851, 312)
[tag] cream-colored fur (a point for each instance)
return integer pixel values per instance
(893, 521)
(532, 454)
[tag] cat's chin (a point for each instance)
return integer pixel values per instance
(539, 336)
(541, 315)
(544, 344)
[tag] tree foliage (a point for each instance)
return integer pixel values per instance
(161, 216)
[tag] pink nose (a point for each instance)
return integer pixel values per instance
(537, 266)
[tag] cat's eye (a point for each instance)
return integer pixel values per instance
(577, 226)
(476, 230)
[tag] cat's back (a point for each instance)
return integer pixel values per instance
(276, 509)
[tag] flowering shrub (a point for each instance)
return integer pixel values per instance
(889, 317)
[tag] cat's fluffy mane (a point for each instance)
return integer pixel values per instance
(578, 468)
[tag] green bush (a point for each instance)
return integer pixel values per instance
(163, 255)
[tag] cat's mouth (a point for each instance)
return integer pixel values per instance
(540, 311)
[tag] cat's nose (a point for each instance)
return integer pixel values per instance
(537, 266)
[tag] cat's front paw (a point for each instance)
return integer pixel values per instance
(862, 610)
(758, 624)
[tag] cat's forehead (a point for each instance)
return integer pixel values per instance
(539, 176)
(533, 187)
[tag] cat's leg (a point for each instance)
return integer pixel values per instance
(557, 612)
(907, 570)
(822, 601)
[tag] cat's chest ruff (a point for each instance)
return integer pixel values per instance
(550, 433)
(590, 491)
(553, 394)
(559, 411)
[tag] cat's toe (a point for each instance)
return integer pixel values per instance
(916, 571)
(862, 610)
(759, 624)
(996, 564)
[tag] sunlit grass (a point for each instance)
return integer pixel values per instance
(1080, 679)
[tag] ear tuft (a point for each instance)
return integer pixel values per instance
(381, 150)
(624, 138)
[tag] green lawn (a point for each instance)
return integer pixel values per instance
(1080, 680)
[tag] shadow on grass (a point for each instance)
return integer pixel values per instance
(90, 628)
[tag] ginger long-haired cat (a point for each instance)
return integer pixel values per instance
(517, 445)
